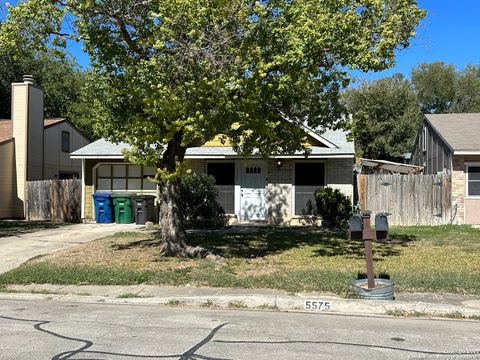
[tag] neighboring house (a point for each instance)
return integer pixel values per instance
(275, 190)
(32, 148)
(451, 143)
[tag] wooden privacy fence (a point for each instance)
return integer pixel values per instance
(410, 199)
(54, 200)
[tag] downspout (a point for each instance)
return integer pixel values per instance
(82, 213)
(27, 130)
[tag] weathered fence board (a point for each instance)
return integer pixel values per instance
(54, 200)
(410, 199)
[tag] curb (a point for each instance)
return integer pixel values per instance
(267, 302)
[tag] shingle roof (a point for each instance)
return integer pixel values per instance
(104, 148)
(101, 148)
(339, 138)
(460, 131)
(6, 127)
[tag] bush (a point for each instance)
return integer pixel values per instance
(199, 197)
(334, 207)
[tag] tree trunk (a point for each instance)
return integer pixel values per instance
(174, 238)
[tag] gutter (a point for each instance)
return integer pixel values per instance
(316, 156)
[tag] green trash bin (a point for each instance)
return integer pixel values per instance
(122, 203)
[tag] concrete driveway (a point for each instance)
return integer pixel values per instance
(15, 250)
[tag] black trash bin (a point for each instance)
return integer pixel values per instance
(144, 209)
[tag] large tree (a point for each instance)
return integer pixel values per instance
(435, 86)
(467, 90)
(174, 74)
(386, 116)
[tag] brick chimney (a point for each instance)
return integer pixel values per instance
(27, 123)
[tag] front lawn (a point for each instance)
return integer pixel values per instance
(18, 227)
(418, 259)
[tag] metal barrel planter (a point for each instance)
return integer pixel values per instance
(383, 290)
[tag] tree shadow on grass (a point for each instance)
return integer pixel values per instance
(138, 244)
(19, 227)
(261, 241)
(356, 248)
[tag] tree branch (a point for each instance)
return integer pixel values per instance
(127, 37)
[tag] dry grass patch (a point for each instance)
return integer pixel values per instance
(133, 250)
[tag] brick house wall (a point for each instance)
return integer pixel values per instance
(459, 184)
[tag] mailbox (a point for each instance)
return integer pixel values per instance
(381, 226)
(355, 224)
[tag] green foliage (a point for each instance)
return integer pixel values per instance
(387, 113)
(435, 86)
(176, 73)
(385, 117)
(441, 88)
(199, 198)
(333, 206)
(467, 90)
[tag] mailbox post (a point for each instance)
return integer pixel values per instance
(360, 229)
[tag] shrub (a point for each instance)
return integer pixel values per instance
(334, 207)
(199, 197)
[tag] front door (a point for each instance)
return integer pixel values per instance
(252, 191)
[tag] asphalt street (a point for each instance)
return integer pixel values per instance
(59, 330)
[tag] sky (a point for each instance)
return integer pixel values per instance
(450, 32)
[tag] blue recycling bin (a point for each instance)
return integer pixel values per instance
(103, 207)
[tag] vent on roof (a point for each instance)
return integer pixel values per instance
(28, 79)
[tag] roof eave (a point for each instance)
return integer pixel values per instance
(82, 156)
(226, 156)
(466, 152)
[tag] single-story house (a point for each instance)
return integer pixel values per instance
(33, 148)
(451, 143)
(275, 190)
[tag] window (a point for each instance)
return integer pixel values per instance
(473, 177)
(224, 174)
(424, 139)
(308, 178)
(253, 170)
(65, 141)
(121, 177)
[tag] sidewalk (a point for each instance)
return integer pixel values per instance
(414, 304)
(15, 250)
